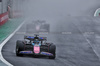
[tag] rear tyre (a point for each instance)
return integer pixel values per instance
(52, 49)
(19, 47)
(47, 27)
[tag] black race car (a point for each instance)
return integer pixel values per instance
(38, 26)
(36, 46)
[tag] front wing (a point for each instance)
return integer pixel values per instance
(41, 53)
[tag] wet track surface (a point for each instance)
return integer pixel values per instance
(73, 48)
(78, 46)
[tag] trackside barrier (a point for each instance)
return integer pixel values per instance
(3, 18)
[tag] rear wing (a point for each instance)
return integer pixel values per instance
(33, 38)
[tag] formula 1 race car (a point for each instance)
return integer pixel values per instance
(36, 46)
(38, 26)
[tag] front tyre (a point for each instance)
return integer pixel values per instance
(52, 49)
(19, 47)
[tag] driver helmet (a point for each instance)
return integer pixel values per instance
(36, 41)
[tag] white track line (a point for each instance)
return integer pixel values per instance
(95, 14)
(5, 41)
(88, 42)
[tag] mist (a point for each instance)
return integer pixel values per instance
(68, 24)
(57, 8)
(58, 12)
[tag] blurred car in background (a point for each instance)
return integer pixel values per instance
(38, 26)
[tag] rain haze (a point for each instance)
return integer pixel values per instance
(59, 8)
(69, 25)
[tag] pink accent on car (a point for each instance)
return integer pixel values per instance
(37, 27)
(36, 49)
